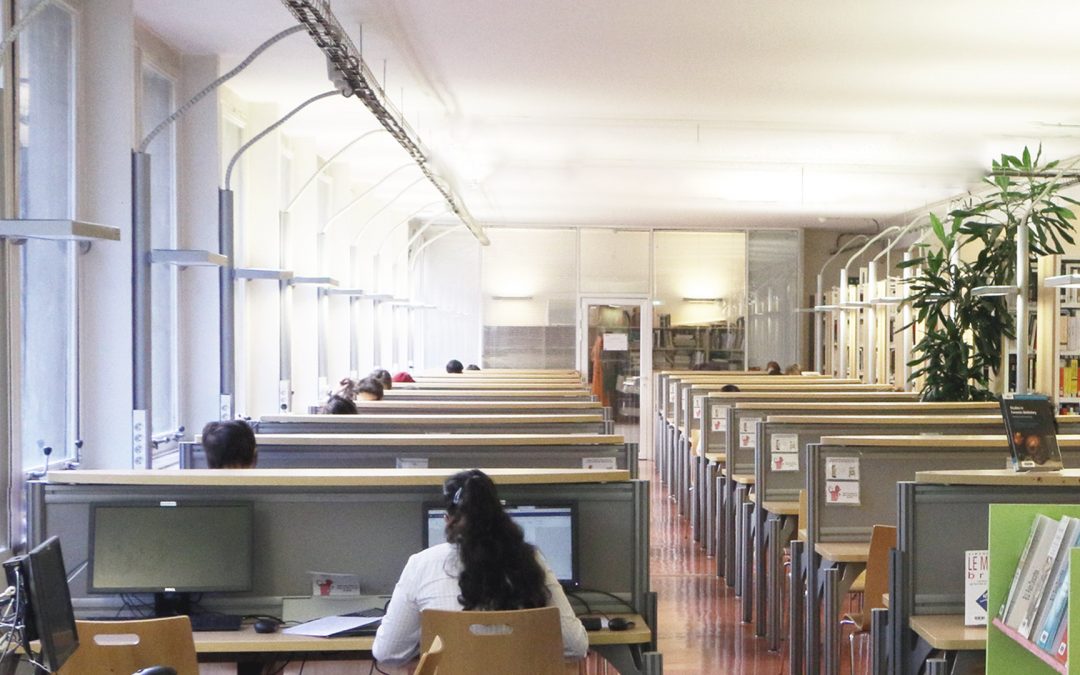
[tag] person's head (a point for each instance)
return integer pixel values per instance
(369, 389)
(729, 388)
(383, 376)
(793, 369)
(403, 377)
(499, 570)
(339, 405)
(472, 366)
(454, 366)
(772, 368)
(229, 445)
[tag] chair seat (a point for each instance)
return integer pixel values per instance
(859, 585)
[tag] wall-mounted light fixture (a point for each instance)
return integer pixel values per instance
(702, 299)
(511, 297)
(1063, 281)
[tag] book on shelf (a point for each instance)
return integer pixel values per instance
(976, 586)
(1032, 432)
(1019, 598)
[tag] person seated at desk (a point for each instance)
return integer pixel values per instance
(773, 368)
(229, 445)
(383, 377)
(369, 389)
(403, 377)
(339, 405)
(485, 564)
(472, 366)
(454, 367)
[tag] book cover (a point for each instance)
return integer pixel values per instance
(1057, 590)
(1040, 573)
(1038, 528)
(976, 587)
(1061, 643)
(1032, 433)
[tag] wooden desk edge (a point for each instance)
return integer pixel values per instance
(781, 508)
(947, 631)
(844, 552)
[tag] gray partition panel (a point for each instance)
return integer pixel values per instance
(373, 425)
(367, 531)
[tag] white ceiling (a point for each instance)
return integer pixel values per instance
(694, 113)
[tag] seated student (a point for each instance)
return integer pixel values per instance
(229, 445)
(339, 405)
(485, 564)
(472, 366)
(369, 389)
(347, 390)
(773, 368)
(454, 366)
(403, 377)
(729, 388)
(383, 376)
(793, 369)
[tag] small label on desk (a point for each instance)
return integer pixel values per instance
(599, 463)
(748, 432)
(784, 452)
(842, 492)
(412, 463)
(719, 418)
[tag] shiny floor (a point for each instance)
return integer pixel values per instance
(699, 624)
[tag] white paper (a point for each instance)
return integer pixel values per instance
(842, 468)
(328, 626)
(784, 461)
(698, 402)
(599, 463)
(673, 391)
(616, 342)
(335, 584)
(976, 587)
(412, 462)
(748, 431)
(842, 492)
(719, 417)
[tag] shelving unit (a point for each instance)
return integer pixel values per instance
(1067, 342)
(680, 347)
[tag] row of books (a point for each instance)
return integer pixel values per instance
(1068, 331)
(1037, 602)
(1069, 377)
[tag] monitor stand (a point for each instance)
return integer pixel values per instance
(172, 604)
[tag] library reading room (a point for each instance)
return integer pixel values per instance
(489, 337)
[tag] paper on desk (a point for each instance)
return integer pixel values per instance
(329, 626)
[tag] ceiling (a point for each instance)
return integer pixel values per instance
(699, 113)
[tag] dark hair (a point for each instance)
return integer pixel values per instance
(229, 445)
(383, 377)
(472, 366)
(369, 385)
(454, 366)
(773, 368)
(339, 405)
(729, 387)
(499, 570)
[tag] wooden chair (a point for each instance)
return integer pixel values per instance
(430, 660)
(519, 642)
(123, 647)
(875, 586)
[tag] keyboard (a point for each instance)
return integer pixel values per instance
(213, 621)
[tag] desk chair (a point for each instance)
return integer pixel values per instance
(123, 647)
(518, 642)
(876, 584)
(430, 660)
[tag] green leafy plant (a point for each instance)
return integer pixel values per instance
(961, 346)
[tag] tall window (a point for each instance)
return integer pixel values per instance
(48, 311)
(157, 103)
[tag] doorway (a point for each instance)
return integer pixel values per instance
(615, 355)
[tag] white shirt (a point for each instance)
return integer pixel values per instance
(430, 581)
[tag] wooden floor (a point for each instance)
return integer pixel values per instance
(699, 624)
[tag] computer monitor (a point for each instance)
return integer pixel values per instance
(43, 603)
(552, 528)
(171, 549)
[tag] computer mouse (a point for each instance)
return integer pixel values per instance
(266, 626)
(619, 623)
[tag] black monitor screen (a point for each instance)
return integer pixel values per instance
(551, 528)
(46, 606)
(167, 546)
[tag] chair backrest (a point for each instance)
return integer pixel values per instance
(431, 659)
(804, 509)
(877, 570)
(122, 647)
(519, 642)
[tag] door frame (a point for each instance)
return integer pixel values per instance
(645, 312)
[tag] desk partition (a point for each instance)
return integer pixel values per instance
(475, 394)
(524, 423)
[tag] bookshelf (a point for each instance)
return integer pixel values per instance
(680, 347)
(1067, 343)
(1008, 652)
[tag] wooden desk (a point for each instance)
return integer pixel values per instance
(781, 508)
(716, 457)
(947, 631)
(844, 552)
(744, 478)
(1066, 477)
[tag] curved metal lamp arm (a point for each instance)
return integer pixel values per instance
(326, 165)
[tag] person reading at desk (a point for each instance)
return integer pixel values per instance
(485, 564)
(229, 445)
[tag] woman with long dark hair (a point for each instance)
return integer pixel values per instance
(485, 564)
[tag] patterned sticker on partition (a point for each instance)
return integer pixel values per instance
(842, 480)
(841, 468)
(412, 463)
(748, 431)
(784, 452)
(599, 463)
(719, 418)
(698, 402)
(673, 391)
